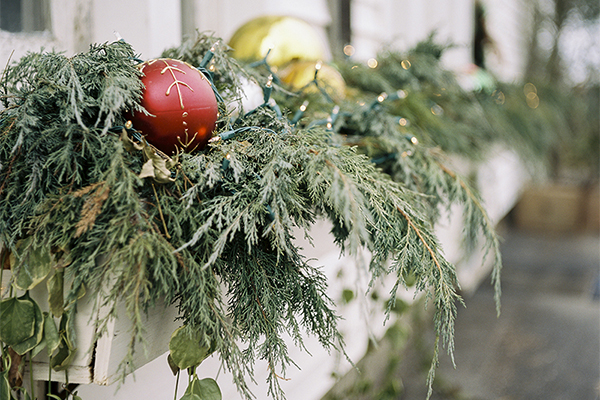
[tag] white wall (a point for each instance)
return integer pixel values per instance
(153, 25)
(403, 23)
(508, 24)
(149, 25)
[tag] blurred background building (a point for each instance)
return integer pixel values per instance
(154, 25)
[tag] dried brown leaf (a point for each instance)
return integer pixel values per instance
(92, 207)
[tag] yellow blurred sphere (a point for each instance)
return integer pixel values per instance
(298, 74)
(288, 38)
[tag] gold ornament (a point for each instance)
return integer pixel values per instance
(288, 38)
(299, 74)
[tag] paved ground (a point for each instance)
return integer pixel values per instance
(545, 345)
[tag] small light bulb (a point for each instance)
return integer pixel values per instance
(318, 65)
(437, 110)
(349, 50)
(402, 121)
(401, 94)
(270, 81)
(382, 97)
(414, 140)
(372, 63)
(304, 105)
(405, 64)
(529, 88)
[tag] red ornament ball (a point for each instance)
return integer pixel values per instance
(182, 103)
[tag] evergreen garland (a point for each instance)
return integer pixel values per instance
(212, 232)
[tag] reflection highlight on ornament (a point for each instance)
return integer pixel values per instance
(405, 64)
(372, 63)
(349, 50)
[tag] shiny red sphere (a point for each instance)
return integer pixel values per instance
(182, 105)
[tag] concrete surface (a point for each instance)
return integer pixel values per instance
(545, 345)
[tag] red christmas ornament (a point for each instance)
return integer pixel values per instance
(182, 103)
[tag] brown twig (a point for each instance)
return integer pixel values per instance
(162, 217)
(412, 225)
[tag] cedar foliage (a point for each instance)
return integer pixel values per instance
(217, 241)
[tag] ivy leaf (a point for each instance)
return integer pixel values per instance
(55, 285)
(174, 368)
(39, 347)
(17, 320)
(190, 396)
(209, 389)
(186, 351)
(62, 359)
(205, 389)
(66, 348)
(50, 339)
(193, 391)
(35, 265)
(38, 333)
(51, 335)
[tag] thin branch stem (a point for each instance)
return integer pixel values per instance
(162, 217)
(413, 226)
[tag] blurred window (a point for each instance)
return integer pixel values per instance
(24, 15)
